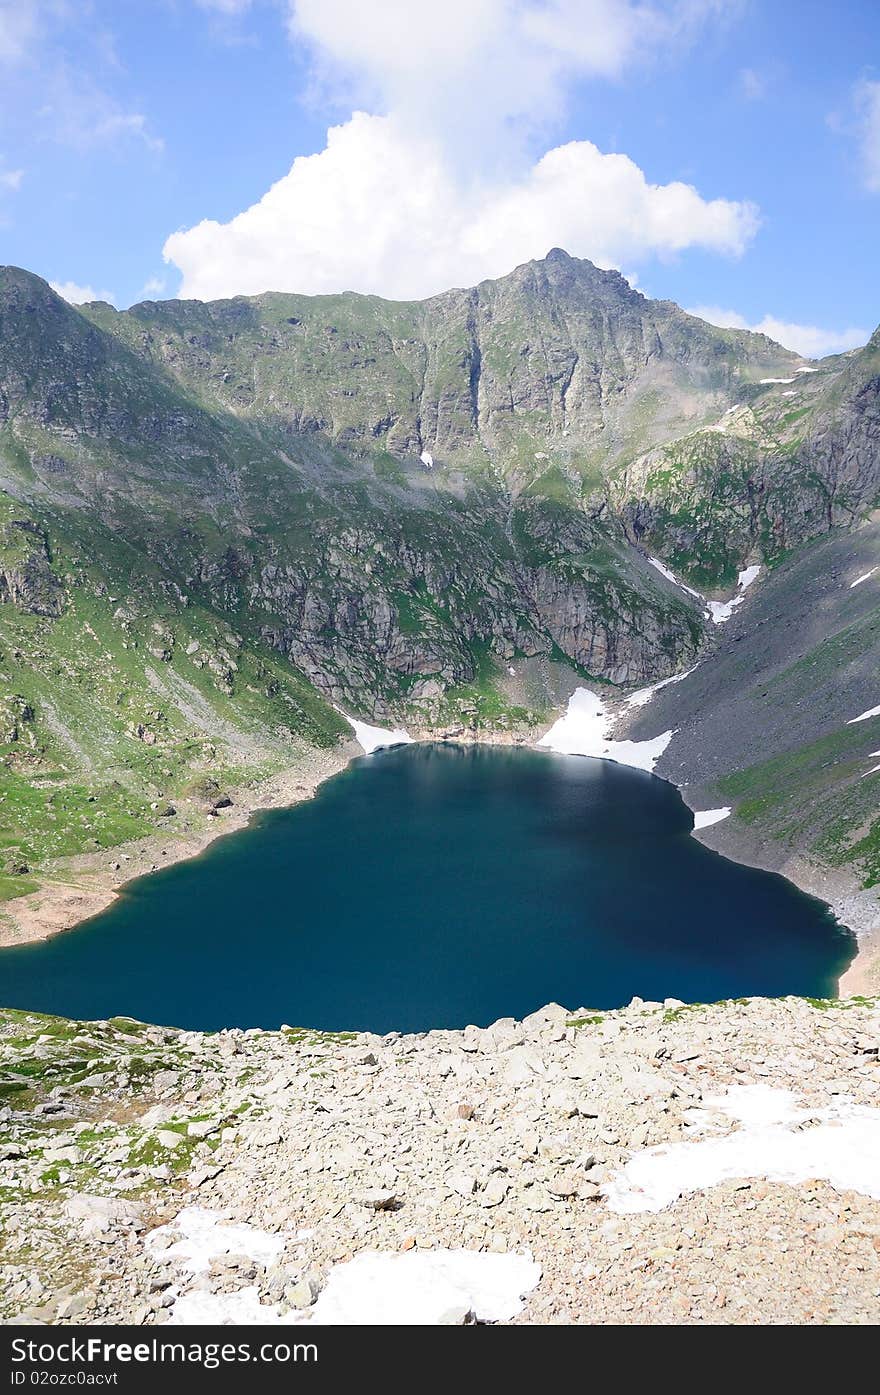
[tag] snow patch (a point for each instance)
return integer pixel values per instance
(200, 1236)
(427, 459)
(806, 369)
(670, 576)
(426, 1286)
(863, 716)
(864, 577)
(704, 818)
(377, 738)
(584, 728)
(643, 696)
(721, 611)
(418, 1288)
(242, 1309)
(842, 1147)
(781, 380)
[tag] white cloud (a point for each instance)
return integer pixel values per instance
(812, 341)
(154, 285)
(19, 25)
(867, 97)
(478, 67)
(79, 113)
(11, 180)
(80, 295)
(384, 211)
(437, 184)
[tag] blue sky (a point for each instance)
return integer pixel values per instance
(722, 153)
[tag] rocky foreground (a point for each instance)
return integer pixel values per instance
(662, 1163)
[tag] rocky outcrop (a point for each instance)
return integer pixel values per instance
(403, 498)
(27, 580)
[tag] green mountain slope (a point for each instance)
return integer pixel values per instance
(221, 522)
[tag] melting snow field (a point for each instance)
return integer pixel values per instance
(200, 1236)
(583, 731)
(644, 695)
(706, 817)
(864, 577)
(840, 1144)
(721, 611)
(718, 611)
(426, 1286)
(419, 1287)
(863, 716)
(664, 571)
(378, 738)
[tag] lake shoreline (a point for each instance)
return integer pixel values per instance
(83, 886)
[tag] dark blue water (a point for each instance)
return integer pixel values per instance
(434, 886)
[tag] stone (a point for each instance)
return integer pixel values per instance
(202, 1128)
(462, 1183)
(379, 1200)
(167, 1138)
(495, 1190)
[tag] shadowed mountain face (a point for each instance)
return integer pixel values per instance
(384, 505)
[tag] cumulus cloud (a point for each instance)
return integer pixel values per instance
(867, 97)
(79, 295)
(383, 210)
(473, 64)
(436, 185)
(811, 341)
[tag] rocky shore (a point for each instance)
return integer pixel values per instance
(662, 1163)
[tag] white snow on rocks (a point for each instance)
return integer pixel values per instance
(704, 818)
(762, 381)
(426, 1287)
(863, 716)
(378, 738)
(841, 1146)
(718, 611)
(199, 1236)
(420, 1287)
(427, 459)
(241, 1309)
(643, 696)
(806, 369)
(721, 611)
(583, 731)
(864, 577)
(670, 576)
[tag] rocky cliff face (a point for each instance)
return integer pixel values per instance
(390, 504)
